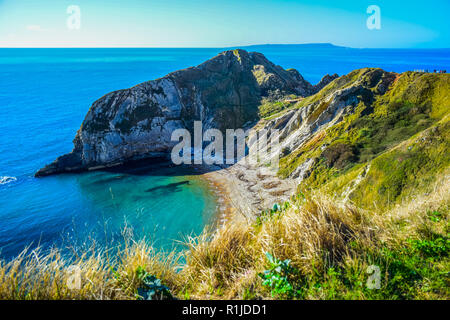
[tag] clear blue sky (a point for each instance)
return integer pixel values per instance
(213, 23)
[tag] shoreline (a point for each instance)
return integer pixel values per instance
(244, 191)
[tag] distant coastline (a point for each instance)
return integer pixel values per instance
(318, 45)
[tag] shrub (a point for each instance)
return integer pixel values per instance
(151, 287)
(339, 155)
(276, 277)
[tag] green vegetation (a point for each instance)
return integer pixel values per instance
(339, 83)
(270, 108)
(309, 248)
(407, 169)
(402, 132)
(151, 287)
(236, 53)
(277, 277)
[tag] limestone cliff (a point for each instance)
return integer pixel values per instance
(223, 92)
(372, 137)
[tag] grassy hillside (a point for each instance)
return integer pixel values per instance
(309, 248)
(391, 147)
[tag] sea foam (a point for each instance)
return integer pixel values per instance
(7, 179)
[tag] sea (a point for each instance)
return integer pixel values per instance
(44, 96)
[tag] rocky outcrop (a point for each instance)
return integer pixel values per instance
(324, 81)
(359, 139)
(223, 92)
(299, 127)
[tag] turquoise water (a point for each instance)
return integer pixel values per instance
(44, 96)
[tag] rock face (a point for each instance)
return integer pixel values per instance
(324, 81)
(299, 126)
(223, 92)
(370, 137)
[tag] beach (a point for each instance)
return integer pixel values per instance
(244, 191)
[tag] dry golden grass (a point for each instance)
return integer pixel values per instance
(313, 236)
(37, 275)
(316, 234)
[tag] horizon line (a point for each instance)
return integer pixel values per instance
(222, 47)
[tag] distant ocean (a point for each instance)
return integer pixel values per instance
(44, 96)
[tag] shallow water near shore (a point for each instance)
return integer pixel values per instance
(164, 205)
(44, 96)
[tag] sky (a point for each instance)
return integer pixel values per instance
(213, 23)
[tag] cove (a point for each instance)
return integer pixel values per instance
(160, 204)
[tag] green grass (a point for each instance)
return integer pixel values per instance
(382, 121)
(406, 170)
(308, 248)
(270, 108)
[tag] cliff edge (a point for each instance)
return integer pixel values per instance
(224, 92)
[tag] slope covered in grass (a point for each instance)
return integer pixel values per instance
(400, 136)
(309, 248)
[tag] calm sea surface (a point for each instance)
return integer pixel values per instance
(44, 96)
